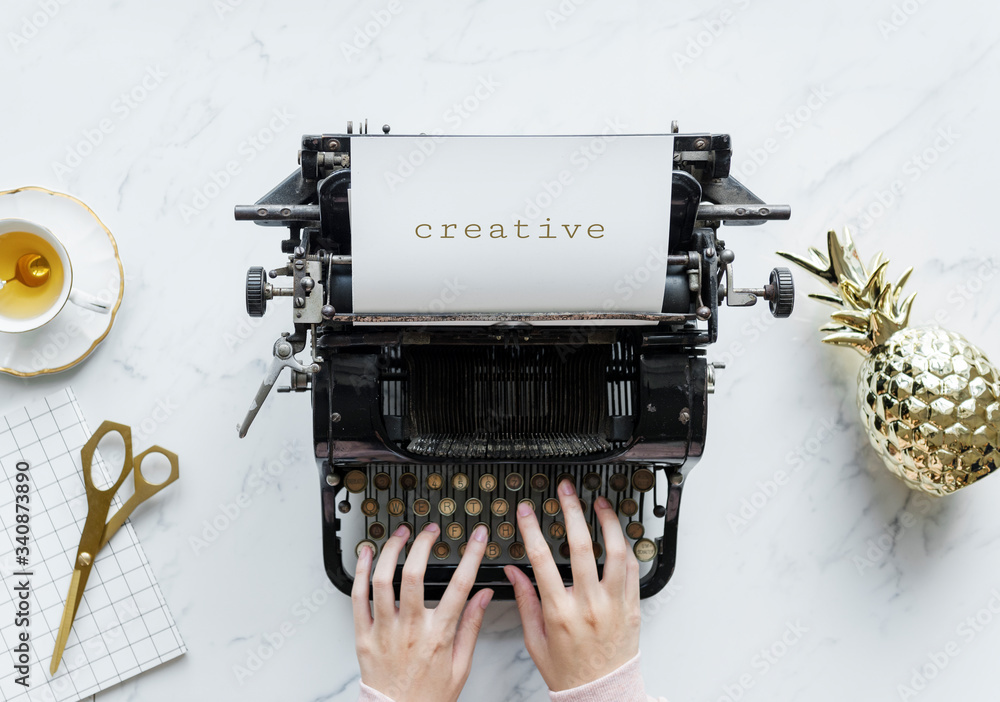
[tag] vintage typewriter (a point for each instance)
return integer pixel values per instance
(459, 407)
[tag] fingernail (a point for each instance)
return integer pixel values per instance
(432, 527)
(486, 599)
(366, 556)
(602, 502)
(401, 530)
(566, 487)
(479, 534)
(524, 509)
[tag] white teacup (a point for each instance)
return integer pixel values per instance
(10, 323)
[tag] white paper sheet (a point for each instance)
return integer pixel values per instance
(434, 223)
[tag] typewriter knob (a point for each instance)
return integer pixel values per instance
(780, 292)
(256, 289)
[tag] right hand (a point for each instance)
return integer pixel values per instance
(581, 633)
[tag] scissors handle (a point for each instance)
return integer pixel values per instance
(96, 495)
(143, 490)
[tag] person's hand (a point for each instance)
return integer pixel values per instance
(581, 633)
(411, 653)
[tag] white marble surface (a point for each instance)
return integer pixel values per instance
(836, 101)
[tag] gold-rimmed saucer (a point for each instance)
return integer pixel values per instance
(75, 332)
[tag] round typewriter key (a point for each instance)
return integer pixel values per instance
(487, 482)
(344, 506)
(539, 482)
(355, 481)
(517, 551)
(412, 533)
(493, 550)
(460, 481)
(441, 550)
(446, 506)
(406, 549)
(551, 506)
(583, 506)
(645, 550)
(557, 530)
(527, 501)
(564, 549)
(500, 507)
(362, 544)
(473, 506)
(369, 506)
(435, 481)
(376, 531)
(659, 511)
(643, 480)
(421, 507)
(481, 524)
(618, 482)
(514, 481)
(461, 548)
(629, 507)
(592, 482)
(566, 476)
(382, 481)
(505, 530)
(395, 507)
(407, 481)
(635, 530)
(454, 531)
(598, 550)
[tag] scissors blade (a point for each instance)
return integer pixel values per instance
(73, 598)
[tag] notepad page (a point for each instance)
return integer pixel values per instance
(123, 626)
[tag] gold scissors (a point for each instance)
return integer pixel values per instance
(98, 529)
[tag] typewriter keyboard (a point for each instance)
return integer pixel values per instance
(380, 498)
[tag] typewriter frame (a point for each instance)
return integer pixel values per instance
(676, 378)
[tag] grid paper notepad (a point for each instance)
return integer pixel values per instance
(123, 626)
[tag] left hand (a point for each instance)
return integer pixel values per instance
(411, 653)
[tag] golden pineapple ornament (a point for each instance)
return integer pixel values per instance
(929, 399)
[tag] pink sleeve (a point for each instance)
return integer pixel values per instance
(370, 695)
(623, 685)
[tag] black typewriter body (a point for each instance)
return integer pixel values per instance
(460, 422)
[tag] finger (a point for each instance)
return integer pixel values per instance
(411, 591)
(359, 593)
(457, 592)
(581, 547)
(384, 595)
(468, 629)
(550, 584)
(528, 607)
(616, 549)
(631, 577)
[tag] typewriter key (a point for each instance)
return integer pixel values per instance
(488, 482)
(460, 481)
(395, 507)
(566, 476)
(505, 530)
(539, 482)
(344, 506)
(382, 481)
(421, 507)
(551, 506)
(441, 550)
(355, 481)
(454, 531)
(500, 507)
(645, 550)
(461, 548)
(635, 530)
(592, 482)
(435, 481)
(407, 481)
(583, 506)
(618, 482)
(493, 550)
(376, 531)
(517, 551)
(527, 501)
(481, 524)
(514, 481)
(362, 544)
(557, 530)
(369, 506)
(629, 507)
(446, 506)
(412, 533)
(598, 550)
(473, 506)
(643, 480)
(564, 549)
